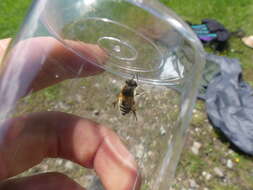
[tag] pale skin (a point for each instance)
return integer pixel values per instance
(27, 140)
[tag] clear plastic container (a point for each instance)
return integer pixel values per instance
(86, 50)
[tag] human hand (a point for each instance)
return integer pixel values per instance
(25, 141)
(43, 61)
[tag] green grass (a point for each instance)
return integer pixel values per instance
(234, 14)
(12, 14)
(194, 165)
(225, 187)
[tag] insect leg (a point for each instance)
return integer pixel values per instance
(134, 112)
(114, 103)
(117, 101)
(140, 94)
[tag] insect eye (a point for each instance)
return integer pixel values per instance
(133, 83)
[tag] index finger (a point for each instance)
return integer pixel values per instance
(29, 139)
(3, 46)
(39, 62)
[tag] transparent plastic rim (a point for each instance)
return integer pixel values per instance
(173, 82)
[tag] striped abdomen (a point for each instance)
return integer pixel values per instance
(125, 108)
(127, 100)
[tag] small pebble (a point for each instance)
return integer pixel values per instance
(230, 164)
(63, 106)
(97, 85)
(195, 148)
(96, 113)
(162, 131)
(78, 98)
(208, 176)
(193, 183)
(218, 172)
(150, 153)
(139, 151)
